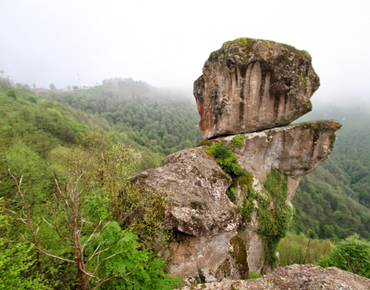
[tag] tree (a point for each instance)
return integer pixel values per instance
(352, 254)
(2, 73)
(52, 87)
(11, 94)
(26, 88)
(15, 258)
(102, 252)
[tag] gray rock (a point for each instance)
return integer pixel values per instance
(196, 186)
(310, 277)
(251, 84)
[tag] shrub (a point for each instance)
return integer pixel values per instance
(352, 254)
(11, 94)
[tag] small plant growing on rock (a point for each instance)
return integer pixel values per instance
(238, 141)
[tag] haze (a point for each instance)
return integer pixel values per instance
(166, 43)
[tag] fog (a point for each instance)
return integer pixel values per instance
(165, 43)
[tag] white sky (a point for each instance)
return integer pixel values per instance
(166, 43)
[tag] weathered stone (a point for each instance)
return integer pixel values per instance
(310, 277)
(207, 246)
(251, 84)
(196, 186)
(295, 150)
(199, 259)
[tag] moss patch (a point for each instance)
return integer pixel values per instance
(240, 256)
(273, 223)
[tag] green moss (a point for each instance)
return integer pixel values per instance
(308, 105)
(240, 255)
(204, 143)
(273, 224)
(245, 43)
(238, 141)
(306, 124)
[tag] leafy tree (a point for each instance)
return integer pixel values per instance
(11, 94)
(352, 254)
(100, 250)
(298, 249)
(52, 87)
(15, 259)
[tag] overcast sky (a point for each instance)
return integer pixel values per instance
(166, 43)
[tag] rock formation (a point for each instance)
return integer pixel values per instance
(309, 277)
(222, 225)
(251, 84)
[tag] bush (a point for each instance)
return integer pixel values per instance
(352, 254)
(11, 94)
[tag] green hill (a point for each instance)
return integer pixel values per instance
(334, 201)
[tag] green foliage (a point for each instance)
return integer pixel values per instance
(298, 249)
(254, 275)
(352, 254)
(273, 222)
(333, 202)
(238, 141)
(11, 94)
(146, 266)
(226, 159)
(156, 122)
(15, 261)
(249, 195)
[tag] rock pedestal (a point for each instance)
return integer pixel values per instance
(254, 88)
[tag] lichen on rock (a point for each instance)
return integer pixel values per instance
(253, 84)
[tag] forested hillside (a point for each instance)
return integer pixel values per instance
(101, 129)
(60, 216)
(162, 120)
(334, 201)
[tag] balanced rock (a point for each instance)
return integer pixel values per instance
(251, 85)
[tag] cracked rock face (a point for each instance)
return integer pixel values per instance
(196, 186)
(251, 85)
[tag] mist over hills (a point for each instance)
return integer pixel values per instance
(332, 202)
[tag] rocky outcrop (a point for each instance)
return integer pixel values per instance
(309, 277)
(295, 150)
(257, 87)
(251, 85)
(195, 185)
(208, 246)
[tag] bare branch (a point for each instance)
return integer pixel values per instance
(56, 229)
(46, 253)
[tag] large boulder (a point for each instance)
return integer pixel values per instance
(195, 185)
(251, 84)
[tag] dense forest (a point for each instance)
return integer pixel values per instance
(333, 202)
(161, 120)
(123, 127)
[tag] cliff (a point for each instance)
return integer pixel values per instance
(229, 198)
